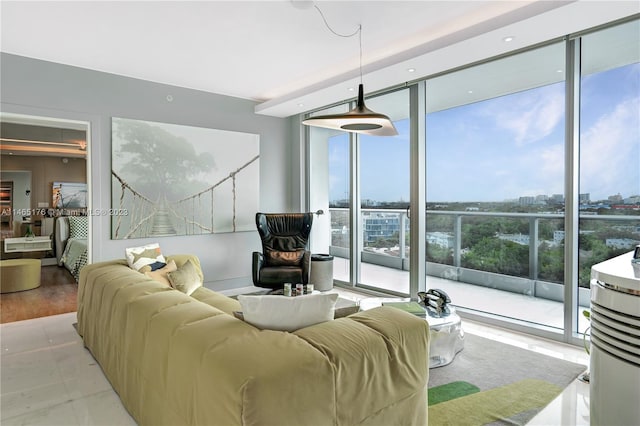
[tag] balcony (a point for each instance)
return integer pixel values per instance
(533, 298)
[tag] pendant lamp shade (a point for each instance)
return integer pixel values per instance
(359, 120)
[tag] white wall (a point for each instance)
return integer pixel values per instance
(47, 89)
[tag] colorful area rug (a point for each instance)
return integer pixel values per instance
(494, 383)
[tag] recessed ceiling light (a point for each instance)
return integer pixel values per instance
(508, 38)
(470, 91)
(411, 70)
(351, 89)
(300, 104)
(559, 71)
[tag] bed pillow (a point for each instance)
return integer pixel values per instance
(160, 275)
(78, 227)
(138, 257)
(185, 278)
(285, 313)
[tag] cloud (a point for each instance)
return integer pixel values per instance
(609, 153)
(530, 115)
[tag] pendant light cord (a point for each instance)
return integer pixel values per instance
(357, 31)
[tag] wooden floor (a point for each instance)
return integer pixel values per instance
(57, 294)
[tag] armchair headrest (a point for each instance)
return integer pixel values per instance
(284, 231)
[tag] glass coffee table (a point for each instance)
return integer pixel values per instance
(447, 335)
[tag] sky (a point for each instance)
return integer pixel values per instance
(510, 146)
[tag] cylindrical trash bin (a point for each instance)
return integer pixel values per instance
(321, 272)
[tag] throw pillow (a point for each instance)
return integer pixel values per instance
(156, 265)
(160, 275)
(283, 258)
(78, 227)
(287, 313)
(185, 278)
(137, 257)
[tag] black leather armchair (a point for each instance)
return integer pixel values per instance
(284, 257)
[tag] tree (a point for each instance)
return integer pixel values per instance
(551, 263)
(499, 256)
(159, 162)
(439, 254)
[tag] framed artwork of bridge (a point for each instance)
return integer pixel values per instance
(170, 180)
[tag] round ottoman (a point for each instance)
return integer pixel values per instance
(19, 275)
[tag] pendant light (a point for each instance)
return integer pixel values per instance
(360, 119)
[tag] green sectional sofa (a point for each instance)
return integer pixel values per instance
(184, 360)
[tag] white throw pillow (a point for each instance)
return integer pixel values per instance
(287, 313)
(137, 257)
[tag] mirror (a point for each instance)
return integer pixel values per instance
(16, 200)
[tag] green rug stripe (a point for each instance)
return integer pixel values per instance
(494, 404)
(451, 391)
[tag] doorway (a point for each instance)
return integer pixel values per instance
(39, 155)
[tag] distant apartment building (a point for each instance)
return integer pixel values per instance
(585, 198)
(527, 201)
(621, 243)
(381, 225)
(615, 198)
(634, 199)
(557, 199)
(516, 238)
(558, 237)
(442, 239)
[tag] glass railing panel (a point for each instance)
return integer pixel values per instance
(340, 232)
(601, 239)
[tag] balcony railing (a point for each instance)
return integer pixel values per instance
(532, 284)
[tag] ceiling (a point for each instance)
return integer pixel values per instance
(27, 135)
(280, 53)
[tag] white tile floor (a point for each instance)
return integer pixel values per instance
(49, 378)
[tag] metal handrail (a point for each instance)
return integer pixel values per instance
(533, 228)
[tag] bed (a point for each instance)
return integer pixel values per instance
(71, 243)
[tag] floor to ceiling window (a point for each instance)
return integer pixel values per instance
(366, 199)
(329, 175)
(502, 147)
(494, 185)
(384, 199)
(609, 205)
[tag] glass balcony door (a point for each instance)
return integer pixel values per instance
(609, 195)
(495, 186)
(383, 200)
(361, 182)
(330, 180)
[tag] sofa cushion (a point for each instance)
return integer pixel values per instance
(217, 300)
(287, 313)
(160, 275)
(138, 257)
(185, 278)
